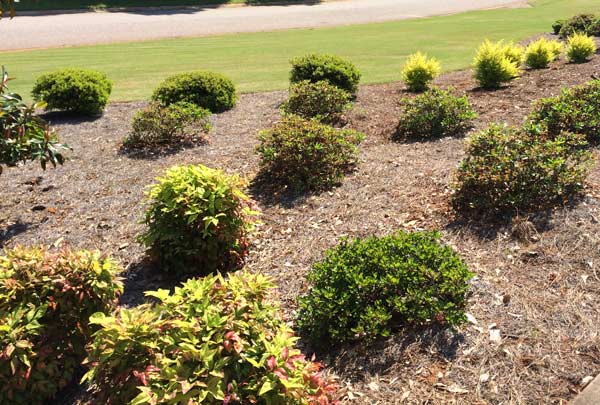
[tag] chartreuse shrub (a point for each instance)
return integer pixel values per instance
(507, 170)
(434, 114)
(419, 71)
(330, 68)
(306, 154)
(321, 100)
(514, 52)
(580, 48)
(539, 54)
(175, 124)
(496, 63)
(46, 300)
(366, 288)
(575, 110)
(198, 220)
(79, 91)
(211, 341)
(209, 90)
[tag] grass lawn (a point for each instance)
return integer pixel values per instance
(260, 61)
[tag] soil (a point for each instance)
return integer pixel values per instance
(534, 309)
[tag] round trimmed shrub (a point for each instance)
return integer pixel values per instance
(419, 71)
(580, 23)
(46, 300)
(306, 154)
(199, 221)
(580, 48)
(209, 90)
(495, 64)
(366, 288)
(321, 100)
(539, 54)
(323, 67)
(157, 126)
(557, 26)
(79, 91)
(435, 114)
(211, 341)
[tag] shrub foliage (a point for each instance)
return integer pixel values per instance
(321, 100)
(580, 23)
(212, 341)
(496, 63)
(365, 288)
(419, 71)
(580, 48)
(539, 54)
(330, 68)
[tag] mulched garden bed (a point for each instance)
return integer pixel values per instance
(535, 307)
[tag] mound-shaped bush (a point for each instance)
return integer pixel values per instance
(306, 154)
(366, 288)
(321, 100)
(580, 23)
(419, 71)
(539, 54)
(495, 63)
(209, 90)
(212, 341)
(157, 126)
(46, 300)
(79, 91)
(510, 170)
(330, 68)
(580, 48)
(434, 114)
(199, 221)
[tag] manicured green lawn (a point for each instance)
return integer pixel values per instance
(260, 61)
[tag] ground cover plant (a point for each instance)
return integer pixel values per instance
(419, 71)
(198, 221)
(46, 300)
(211, 341)
(580, 48)
(496, 63)
(323, 67)
(80, 91)
(321, 100)
(539, 54)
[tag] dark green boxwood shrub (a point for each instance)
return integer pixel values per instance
(511, 170)
(79, 91)
(209, 90)
(46, 300)
(212, 341)
(556, 26)
(581, 23)
(434, 114)
(157, 126)
(321, 100)
(306, 154)
(575, 110)
(330, 68)
(366, 288)
(199, 221)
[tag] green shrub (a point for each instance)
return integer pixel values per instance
(319, 100)
(45, 302)
(541, 53)
(306, 154)
(365, 288)
(514, 52)
(594, 28)
(493, 65)
(329, 68)
(575, 110)
(212, 341)
(175, 124)
(580, 23)
(25, 136)
(434, 114)
(419, 71)
(79, 91)
(508, 170)
(556, 26)
(199, 220)
(580, 48)
(212, 91)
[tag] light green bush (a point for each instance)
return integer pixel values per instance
(419, 71)
(580, 48)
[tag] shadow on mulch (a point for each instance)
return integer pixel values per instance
(145, 275)
(13, 230)
(270, 192)
(68, 118)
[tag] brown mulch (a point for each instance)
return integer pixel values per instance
(537, 280)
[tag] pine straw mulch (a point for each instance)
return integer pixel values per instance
(535, 306)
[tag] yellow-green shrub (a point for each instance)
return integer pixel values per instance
(541, 53)
(580, 48)
(419, 71)
(495, 63)
(514, 52)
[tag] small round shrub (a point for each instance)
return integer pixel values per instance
(508, 170)
(579, 23)
(199, 221)
(580, 48)
(539, 54)
(306, 154)
(212, 341)
(79, 91)
(493, 66)
(513, 52)
(575, 110)
(321, 100)
(330, 68)
(557, 26)
(209, 90)
(157, 126)
(366, 288)
(419, 71)
(46, 300)
(435, 114)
